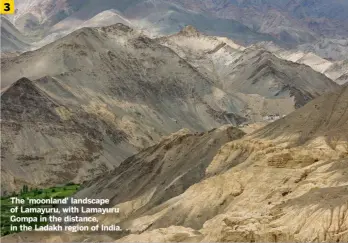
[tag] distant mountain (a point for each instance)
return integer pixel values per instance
(338, 71)
(332, 69)
(247, 70)
(52, 16)
(316, 26)
(58, 18)
(36, 17)
(289, 20)
(69, 25)
(11, 39)
(335, 49)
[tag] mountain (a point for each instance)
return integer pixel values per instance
(45, 143)
(69, 25)
(285, 183)
(316, 62)
(338, 71)
(290, 20)
(11, 39)
(199, 186)
(343, 79)
(168, 168)
(333, 49)
(320, 29)
(54, 16)
(110, 92)
(120, 91)
(81, 57)
(290, 183)
(35, 17)
(51, 20)
(332, 69)
(247, 70)
(194, 136)
(269, 76)
(326, 117)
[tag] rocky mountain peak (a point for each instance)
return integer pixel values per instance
(24, 100)
(190, 31)
(21, 84)
(118, 28)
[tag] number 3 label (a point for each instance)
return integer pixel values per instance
(7, 7)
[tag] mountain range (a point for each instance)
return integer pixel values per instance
(310, 26)
(11, 39)
(290, 20)
(284, 183)
(112, 91)
(202, 121)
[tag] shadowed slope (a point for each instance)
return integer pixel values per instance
(326, 117)
(164, 170)
(45, 143)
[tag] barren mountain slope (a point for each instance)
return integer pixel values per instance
(331, 69)
(69, 25)
(314, 61)
(45, 143)
(129, 83)
(325, 118)
(119, 60)
(338, 72)
(11, 39)
(133, 86)
(90, 57)
(343, 79)
(265, 74)
(289, 20)
(259, 190)
(209, 54)
(248, 71)
(162, 171)
(317, 26)
(336, 49)
(253, 190)
(55, 18)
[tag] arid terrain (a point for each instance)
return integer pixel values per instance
(277, 184)
(99, 95)
(201, 121)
